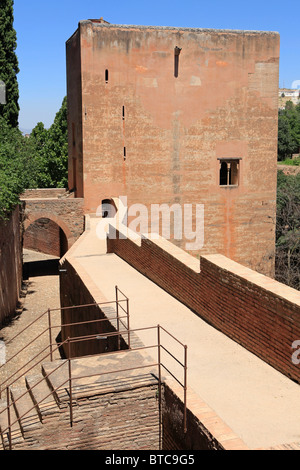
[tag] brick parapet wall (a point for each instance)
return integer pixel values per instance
(205, 429)
(259, 313)
(256, 311)
(44, 193)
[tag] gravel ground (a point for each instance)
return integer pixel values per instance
(41, 291)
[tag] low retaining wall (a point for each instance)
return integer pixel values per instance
(257, 312)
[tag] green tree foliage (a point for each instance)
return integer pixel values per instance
(288, 230)
(50, 151)
(40, 161)
(16, 166)
(288, 130)
(9, 63)
(57, 149)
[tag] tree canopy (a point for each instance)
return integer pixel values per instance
(9, 67)
(50, 150)
(288, 130)
(288, 230)
(16, 166)
(38, 161)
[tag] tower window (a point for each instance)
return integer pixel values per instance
(177, 51)
(229, 171)
(73, 134)
(106, 76)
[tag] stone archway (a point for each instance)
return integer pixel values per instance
(66, 212)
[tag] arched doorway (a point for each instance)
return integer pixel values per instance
(108, 208)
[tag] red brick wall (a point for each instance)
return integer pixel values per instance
(257, 312)
(10, 264)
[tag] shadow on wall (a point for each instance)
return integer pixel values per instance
(45, 236)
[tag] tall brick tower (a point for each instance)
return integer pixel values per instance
(167, 115)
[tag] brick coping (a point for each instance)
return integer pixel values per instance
(216, 427)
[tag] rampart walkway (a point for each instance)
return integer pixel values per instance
(258, 403)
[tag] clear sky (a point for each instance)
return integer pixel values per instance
(43, 27)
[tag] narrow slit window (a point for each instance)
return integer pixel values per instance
(124, 153)
(73, 134)
(123, 113)
(106, 75)
(177, 51)
(229, 172)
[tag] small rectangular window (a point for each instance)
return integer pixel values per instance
(177, 51)
(73, 134)
(106, 76)
(229, 171)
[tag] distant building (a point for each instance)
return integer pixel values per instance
(286, 94)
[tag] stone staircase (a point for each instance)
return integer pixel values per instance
(113, 411)
(28, 404)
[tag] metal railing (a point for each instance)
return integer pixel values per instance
(50, 327)
(71, 379)
(10, 403)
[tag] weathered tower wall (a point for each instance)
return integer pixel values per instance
(153, 114)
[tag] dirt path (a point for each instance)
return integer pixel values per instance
(42, 292)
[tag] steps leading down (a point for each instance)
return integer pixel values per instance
(25, 411)
(110, 410)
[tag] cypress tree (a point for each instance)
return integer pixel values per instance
(9, 63)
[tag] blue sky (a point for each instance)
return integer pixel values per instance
(43, 28)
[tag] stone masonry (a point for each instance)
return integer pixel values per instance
(63, 215)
